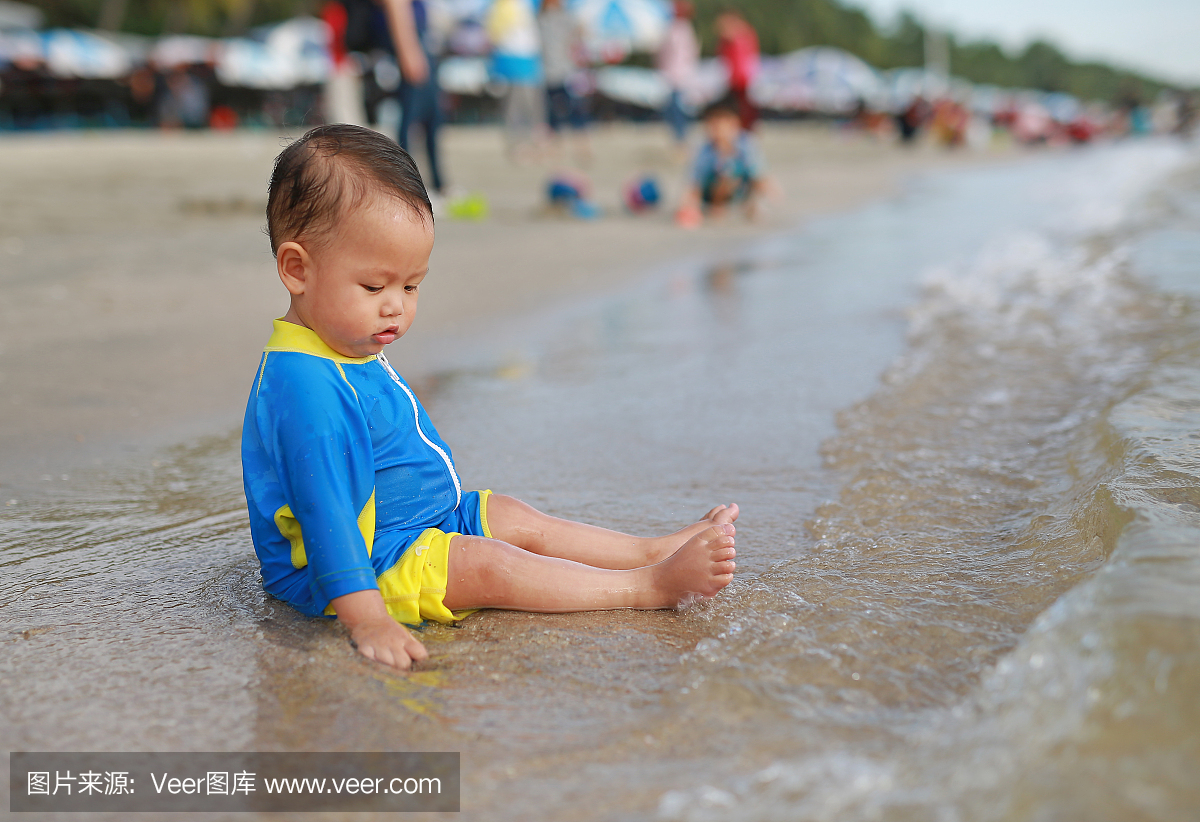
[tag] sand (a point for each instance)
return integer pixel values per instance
(137, 287)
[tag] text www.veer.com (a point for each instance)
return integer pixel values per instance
(352, 785)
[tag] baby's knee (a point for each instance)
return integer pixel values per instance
(481, 569)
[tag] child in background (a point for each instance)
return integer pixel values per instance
(356, 509)
(728, 170)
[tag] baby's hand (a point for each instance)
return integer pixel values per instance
(387, 641)
(374, 633)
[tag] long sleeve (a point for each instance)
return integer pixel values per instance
(312, 474)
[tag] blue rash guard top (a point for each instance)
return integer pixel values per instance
(342, 467)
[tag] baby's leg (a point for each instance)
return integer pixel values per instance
(488, 573)
(516, 523)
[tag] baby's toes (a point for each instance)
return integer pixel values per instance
(727, 514)
(723, 553)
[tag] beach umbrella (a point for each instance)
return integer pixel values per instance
(22, 47)
(84, 54)
(614, 28)
(304, 43)
(902, 85)
(460, 25)
(290, 54)
(822, 79)
(630, 84)
(463, 9)
(1063, 107)
(464, 75)
(709, 83)
(184, 50)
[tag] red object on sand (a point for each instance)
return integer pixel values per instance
(688, 217)
(222, 118)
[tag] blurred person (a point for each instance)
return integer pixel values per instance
(368, 46)
(737, 46)
(949, 123)
(412, 40)
(517, 60)
(1187, 113)
(343, 89)
(184, 101)
(728, 169)
(143, 83)
(678, 61)
(912, 119)
(563, 63)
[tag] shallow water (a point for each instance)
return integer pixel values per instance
(967, 589)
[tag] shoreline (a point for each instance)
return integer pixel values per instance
(137, 288)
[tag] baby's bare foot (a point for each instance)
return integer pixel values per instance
(722, 514)
(663, 547)
(699, 569)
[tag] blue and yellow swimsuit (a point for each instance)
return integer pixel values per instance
(348, 484)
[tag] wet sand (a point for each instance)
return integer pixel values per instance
(137, 288)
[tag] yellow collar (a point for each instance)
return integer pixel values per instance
(298, 339)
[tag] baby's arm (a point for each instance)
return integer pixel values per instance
(688, 215)
(375, 633)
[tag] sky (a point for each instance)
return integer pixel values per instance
(1158, 37)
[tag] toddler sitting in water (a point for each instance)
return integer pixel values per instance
(355, 507)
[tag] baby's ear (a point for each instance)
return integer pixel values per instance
(293, 264)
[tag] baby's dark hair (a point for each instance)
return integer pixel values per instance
(726, 106)
(330, 171)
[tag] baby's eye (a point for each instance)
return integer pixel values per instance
(411, 289)
(373, 289)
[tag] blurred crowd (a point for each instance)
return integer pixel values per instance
(543, 67)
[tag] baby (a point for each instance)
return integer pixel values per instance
(728, 169)
(355, 507)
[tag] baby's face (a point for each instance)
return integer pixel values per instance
(723, 130)
(362, 293)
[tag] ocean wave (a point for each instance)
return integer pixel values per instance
(1009, 577)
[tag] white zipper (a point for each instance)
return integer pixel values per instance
(417, 419)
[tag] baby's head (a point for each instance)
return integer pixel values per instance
(722, 125)
(351, 228)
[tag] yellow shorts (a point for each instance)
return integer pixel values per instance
(414, 587)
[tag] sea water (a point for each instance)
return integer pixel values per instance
(962, 428)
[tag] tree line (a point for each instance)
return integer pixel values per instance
(786, 25)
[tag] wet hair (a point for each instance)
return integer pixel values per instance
(329, 172)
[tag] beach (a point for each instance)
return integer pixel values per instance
(953, 394)
(139, 259)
